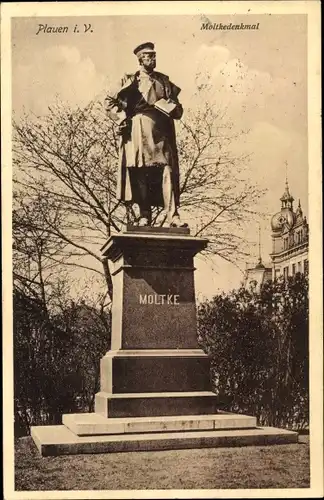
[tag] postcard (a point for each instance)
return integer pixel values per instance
(161, 241)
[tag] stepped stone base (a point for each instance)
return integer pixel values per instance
(59, 440)
(92, 424)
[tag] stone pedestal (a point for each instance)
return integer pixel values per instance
(154, 297)
(154, 382)
(155, 367)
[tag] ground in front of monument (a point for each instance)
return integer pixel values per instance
(278, 466)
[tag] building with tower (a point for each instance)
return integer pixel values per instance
(289, 239)
(289, 233)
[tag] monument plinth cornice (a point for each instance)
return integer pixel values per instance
(151, 240)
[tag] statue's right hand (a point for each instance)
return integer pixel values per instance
(123, 128)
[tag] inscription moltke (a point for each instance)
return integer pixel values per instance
(157, 299)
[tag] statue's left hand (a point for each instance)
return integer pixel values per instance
(177, 112)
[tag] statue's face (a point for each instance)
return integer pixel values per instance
(148, 60)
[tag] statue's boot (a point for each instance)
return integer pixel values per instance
(176, 222)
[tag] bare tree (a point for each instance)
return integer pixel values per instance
(65, 159)
(36, 254)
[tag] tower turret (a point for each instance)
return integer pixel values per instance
(286, 199)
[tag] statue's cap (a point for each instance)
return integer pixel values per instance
(144, 47)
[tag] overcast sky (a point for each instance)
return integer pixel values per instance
(260, 75)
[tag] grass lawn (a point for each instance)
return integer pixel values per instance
(280, 466)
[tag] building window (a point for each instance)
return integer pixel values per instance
(293, 269)
(286, 272)
(299, 267)
(306, 266)
(285, 243)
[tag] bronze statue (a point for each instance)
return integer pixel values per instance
(144, 108)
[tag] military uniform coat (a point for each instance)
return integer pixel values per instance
(147, 135)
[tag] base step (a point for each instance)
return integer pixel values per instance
(56, 440)
(84, 424)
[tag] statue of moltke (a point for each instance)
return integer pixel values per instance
(145, 108)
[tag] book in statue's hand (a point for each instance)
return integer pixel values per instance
(165, 106)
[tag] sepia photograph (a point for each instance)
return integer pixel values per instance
(162, 241)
